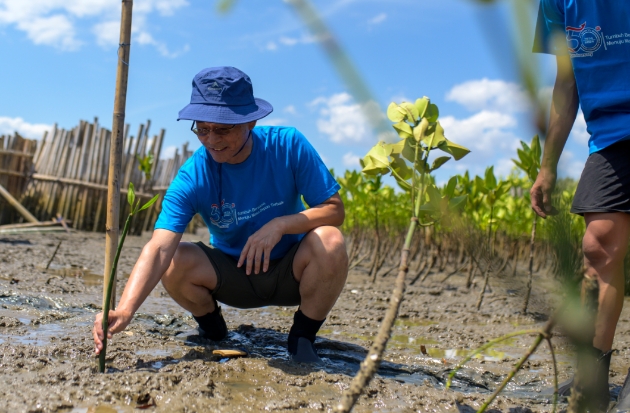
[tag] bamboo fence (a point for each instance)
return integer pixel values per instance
(65, 174)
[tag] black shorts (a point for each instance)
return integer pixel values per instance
(235, 288)
(605, 182)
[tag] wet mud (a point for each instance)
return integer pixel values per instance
(160, 364)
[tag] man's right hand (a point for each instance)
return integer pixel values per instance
(118, 321)
(541, 193)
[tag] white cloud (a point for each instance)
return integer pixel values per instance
(488, 134)
(579, 133)
(290, 110)
(351, 160)
(488, 94)
(289, 41)
(8, 126)
(342, 119)
(54, 22)
(378, 19)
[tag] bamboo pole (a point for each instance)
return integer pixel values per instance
(23, 211)
(118, 125)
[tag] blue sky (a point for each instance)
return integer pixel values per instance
(59, 65)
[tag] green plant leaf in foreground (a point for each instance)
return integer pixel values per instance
(131, 194)
(150, 202)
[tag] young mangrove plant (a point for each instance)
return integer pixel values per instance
(408, 162)
(107, 300)
(529, 162)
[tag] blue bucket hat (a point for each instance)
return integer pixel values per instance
(224, 95)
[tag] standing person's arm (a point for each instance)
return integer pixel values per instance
(154, 260)
(564, 108)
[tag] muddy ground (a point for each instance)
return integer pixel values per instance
(160, 364)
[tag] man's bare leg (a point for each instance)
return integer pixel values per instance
(321, 267)
(605, 244)
(190, 278)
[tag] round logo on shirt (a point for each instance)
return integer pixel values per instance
(583, 41)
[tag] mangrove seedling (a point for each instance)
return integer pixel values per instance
(408, 162)
(107, 300)
(529, 162)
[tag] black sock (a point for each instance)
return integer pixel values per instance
(213, 325)
(302, 327)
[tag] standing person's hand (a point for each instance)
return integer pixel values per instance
(541, 193)
(259, 245)
(118, 320)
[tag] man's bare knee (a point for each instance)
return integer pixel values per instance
(179, 266)
(331, 244)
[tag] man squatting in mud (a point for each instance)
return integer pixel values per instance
(265, 247)
(595, 73)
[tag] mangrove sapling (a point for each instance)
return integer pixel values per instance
(420, 131)
(493, 191)
(529, 162)
(107, 299)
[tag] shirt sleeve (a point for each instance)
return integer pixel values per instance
(551, 22)
(178, 205)
(313, 179)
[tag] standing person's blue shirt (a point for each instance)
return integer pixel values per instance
(598, 41)
(236, 200)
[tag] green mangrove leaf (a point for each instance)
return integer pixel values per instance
(131, 194)
(458, 202)
(397, 148)
(409, 150)
(417, 133)
(439, 162)
(432, 113)
(536, 149)
(394, 114)
(379, 155)
(151, 202)
(481, 185)
(458, 151)
(371, 170)
(449, 189)
(412, 110)
(435, 197)
(421, 105)
(403, 129)
(403, 171)
(490, 179)
(434, 135)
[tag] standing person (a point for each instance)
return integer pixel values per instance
(594, 72)
(247, 183)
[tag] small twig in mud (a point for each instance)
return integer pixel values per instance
(53, 255)
(555, 375)
(484, 348)
(531, 267)
(453, 273)
(483, 288)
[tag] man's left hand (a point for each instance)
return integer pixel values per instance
(259, 245)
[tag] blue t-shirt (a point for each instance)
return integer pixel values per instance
(598, 40)
(236, 200)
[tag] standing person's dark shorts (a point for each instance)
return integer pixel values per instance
(605, 182)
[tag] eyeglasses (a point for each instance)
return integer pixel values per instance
(206, 131)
